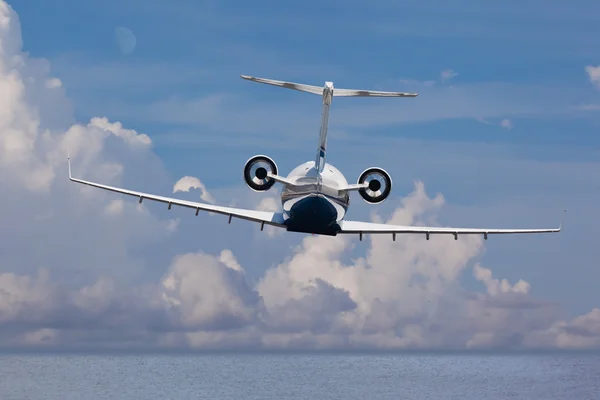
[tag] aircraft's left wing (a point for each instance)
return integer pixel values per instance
(358, 227)
(262, 217)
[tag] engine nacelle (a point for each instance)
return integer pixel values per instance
(256, 170)
(380, 185)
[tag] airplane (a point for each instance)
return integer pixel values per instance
(316, 196)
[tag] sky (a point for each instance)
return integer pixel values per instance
(147, 95)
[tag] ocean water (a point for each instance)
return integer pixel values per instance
(300, 376)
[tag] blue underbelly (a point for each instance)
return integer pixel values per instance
(313, 215)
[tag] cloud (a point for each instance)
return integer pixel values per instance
(53, 83)
(204, 293)
(82, 268)
(40, 208)
(593, 74)
(189, 182)
(402, 294)
(495, 286)
(115, 207)
(128, 135)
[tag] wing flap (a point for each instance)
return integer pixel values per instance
(263, 217)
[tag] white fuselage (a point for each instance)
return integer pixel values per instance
(315, 198)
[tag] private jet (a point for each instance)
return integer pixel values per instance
(315, 196)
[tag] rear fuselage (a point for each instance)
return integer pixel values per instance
(315, 204)
(315, 196)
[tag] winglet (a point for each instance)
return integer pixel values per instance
(69, 162)
(562, 219)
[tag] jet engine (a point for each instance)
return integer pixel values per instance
(256, 170)
(380, 185)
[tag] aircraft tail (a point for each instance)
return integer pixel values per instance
(327, 92)
(319, 89)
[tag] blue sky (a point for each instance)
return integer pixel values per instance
(521, 62)
(505, 127)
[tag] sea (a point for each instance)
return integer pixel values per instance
(300, 376)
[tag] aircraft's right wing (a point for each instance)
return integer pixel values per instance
(262, 217)
(359, 227)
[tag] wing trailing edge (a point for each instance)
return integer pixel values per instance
(360, 228)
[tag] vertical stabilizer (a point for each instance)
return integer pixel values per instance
(322, 150)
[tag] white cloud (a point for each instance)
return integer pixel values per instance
(230, 261)
(506, 123)
(116, 128)
(204, 293)
(189, 182)
(269, 204)
(593, 74)
(115, 207)
(582, 332)
(53, 83)
(496, 286)
(40, 208)
(403, 294)
(171, 225)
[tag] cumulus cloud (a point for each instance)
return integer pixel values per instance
(496, 286)
(49, 222)
(402, 294)
(74, 260)
(189, 182)
(116, 128)
(53, 83)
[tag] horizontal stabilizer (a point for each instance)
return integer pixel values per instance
(336, 92)
(289, 85)
(370, 93)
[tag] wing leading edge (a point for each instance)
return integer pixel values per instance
(358, 227)
(262, 217)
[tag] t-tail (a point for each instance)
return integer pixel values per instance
(327, 92)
